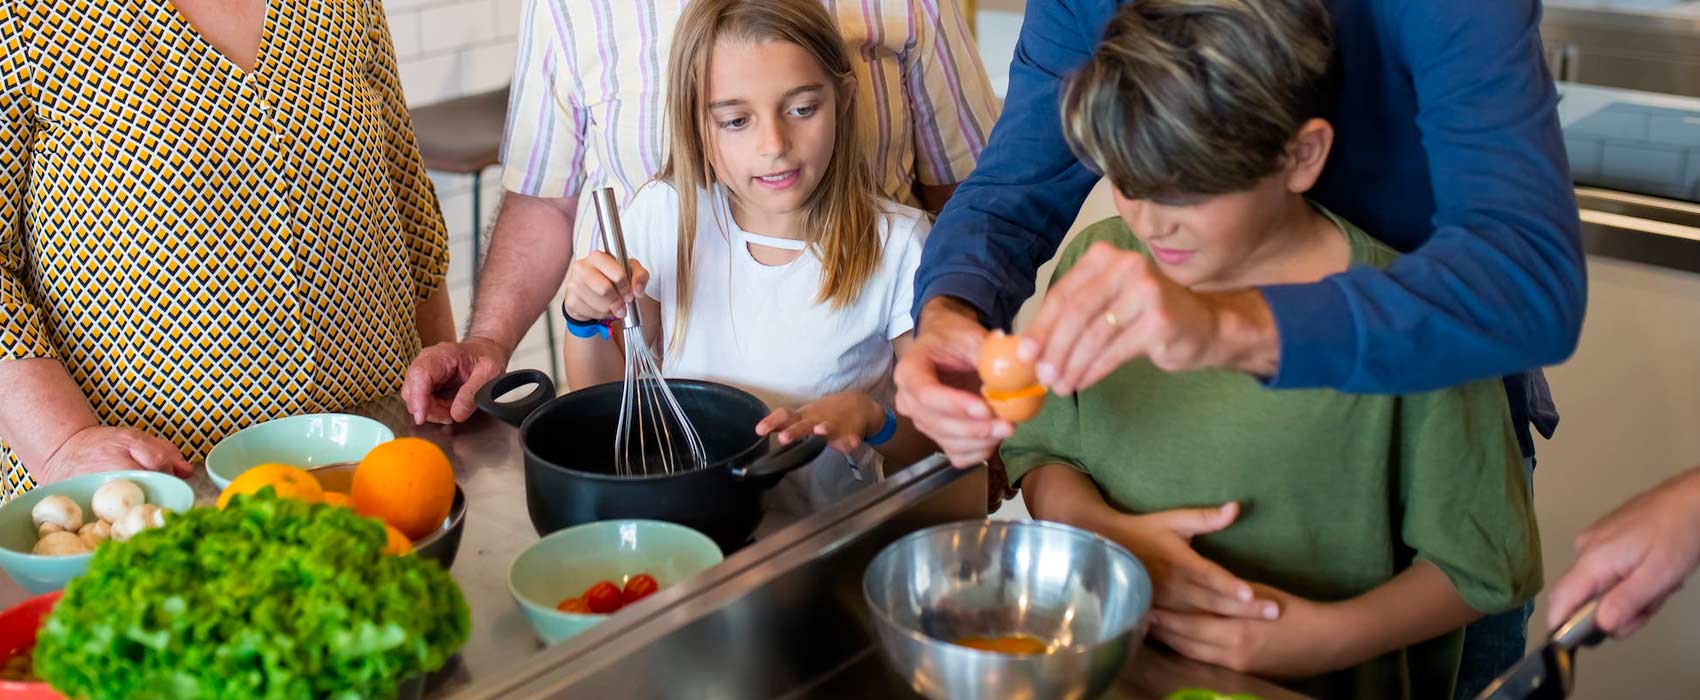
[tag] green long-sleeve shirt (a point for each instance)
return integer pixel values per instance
(1339, 492)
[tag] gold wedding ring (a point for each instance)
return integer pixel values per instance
(1110, 318)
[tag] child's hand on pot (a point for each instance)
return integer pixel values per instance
(845, 419)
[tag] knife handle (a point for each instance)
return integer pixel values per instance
(1579, 630)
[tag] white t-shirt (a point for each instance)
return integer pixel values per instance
(759, 327)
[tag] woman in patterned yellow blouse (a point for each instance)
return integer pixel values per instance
(212, 213)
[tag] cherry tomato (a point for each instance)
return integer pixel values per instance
(603, 598)
(574, 605)
(639, 587)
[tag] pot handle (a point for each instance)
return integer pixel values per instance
(514, 412)
(783, 460)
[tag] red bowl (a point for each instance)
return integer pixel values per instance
(18, 626)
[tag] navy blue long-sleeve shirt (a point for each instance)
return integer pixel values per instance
(1447, 147)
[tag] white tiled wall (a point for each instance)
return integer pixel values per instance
(447, 49)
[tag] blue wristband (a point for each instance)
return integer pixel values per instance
(580, 329)
(887, 431)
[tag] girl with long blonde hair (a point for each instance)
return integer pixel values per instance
(762, 245)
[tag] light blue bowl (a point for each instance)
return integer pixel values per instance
(299, 441)
(569, 561)
(39, 573)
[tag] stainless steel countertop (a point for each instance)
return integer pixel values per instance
(487, 463)
(489, 467)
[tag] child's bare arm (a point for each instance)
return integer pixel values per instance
(1417, 605)
(1059, 493)
(1312, 638)
(909, 445)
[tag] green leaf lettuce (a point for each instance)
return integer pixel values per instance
(267, 599)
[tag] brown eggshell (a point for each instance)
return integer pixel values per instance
(1001, 368)
(1016, 406)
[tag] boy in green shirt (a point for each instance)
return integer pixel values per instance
(1371, 529)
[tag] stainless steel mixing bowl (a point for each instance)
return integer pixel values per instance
(1083, 594)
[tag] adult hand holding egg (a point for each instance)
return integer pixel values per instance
(938, 384)
(1115, 306)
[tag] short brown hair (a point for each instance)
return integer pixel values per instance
(1197, 97)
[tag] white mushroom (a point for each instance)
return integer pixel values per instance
(58, 511)
(60, 543)
(95, 533)
(48, 529)
(116, 498)
(136, 520)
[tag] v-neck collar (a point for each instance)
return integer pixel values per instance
(223, 59)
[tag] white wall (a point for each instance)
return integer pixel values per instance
(450, 48)
(1630, 401)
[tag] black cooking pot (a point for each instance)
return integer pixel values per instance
(569, 458)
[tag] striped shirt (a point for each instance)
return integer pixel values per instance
(587, 106)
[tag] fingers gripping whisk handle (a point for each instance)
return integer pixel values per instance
(614, 241)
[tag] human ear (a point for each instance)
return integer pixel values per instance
(1307, 153)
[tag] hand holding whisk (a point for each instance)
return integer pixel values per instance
(654, 435)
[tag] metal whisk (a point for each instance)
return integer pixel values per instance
(652, 423)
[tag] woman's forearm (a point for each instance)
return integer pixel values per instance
(435, 318)
(42, 407)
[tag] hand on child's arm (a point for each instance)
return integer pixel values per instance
(598, 287)
(845, 419)
(1305, 641)
(1182, 579)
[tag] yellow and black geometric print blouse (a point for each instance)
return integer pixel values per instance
(206, 248)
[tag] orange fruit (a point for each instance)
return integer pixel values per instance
(407, 483)
(289, 482)
(397, 544)
(334, 498)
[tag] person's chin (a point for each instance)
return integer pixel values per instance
(783, 202)
(1187, 275)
